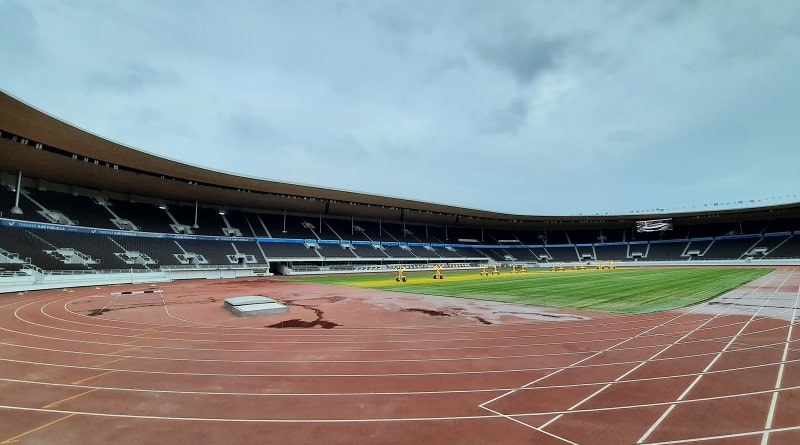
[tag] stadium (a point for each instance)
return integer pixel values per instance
(114, 264)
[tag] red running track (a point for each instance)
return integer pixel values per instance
(170, 365)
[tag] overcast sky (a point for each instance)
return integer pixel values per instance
(526, 107)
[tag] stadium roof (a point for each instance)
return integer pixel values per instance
(55, 151)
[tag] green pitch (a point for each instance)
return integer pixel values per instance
(624, 290)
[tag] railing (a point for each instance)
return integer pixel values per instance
(98, 272)
(213, 267)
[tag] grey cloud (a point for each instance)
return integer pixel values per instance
(755, 35)
(252, 132)
(397, 26)
(524, 57)
(507, 120)
(132, 77)
(347, 147)
(671, 12)
(444, 67)
(398, 21)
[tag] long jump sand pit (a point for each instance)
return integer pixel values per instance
(167, 364)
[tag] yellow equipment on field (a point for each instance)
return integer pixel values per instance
(485, 270)
(401, 274)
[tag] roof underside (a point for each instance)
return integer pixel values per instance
(75, 157)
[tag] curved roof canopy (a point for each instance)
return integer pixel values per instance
(49, 149)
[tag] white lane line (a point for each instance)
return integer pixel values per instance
(527, 425)
(365, 350)
(779, 380)
(573, 385)
(666, 413)
(174, 317)
(726, 436)
(498, 415)
(224, 420)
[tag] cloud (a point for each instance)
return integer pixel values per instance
(248, 130)
(399, 21)
(524, 57)
(132, 77)
(401, 97)
(508, 119)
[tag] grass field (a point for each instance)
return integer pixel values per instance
(624, 290)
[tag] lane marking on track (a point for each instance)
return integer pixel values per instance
(405, 419)
(726, 436)
(525, 424)
(111, 361)
(415, 374)
(394, 393)
(132, 348)
(55, 404)
(19, 436)
(397, 374)
(78, 382)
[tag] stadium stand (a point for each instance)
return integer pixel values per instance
(315, 237)
(92, 205)
(788, 248)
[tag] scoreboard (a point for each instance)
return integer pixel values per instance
(654, 225)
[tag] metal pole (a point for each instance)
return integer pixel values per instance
(16, 210)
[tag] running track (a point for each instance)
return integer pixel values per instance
(167, 364)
